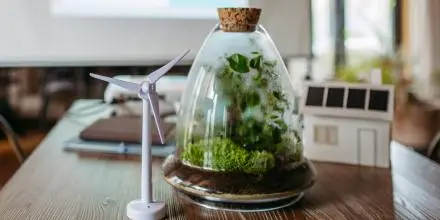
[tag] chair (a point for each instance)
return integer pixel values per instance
(12, 138)
(56, 81)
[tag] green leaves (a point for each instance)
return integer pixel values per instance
(226, 72)
(238, 63)
(253, 99)
(256, 62)
(277, 94)
(263, 83)
(257, 103)
(271, 64)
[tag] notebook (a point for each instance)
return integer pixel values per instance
(127, 129)
(121, 135)
(76, 144)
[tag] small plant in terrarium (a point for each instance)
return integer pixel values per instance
(254, 133)
(238, 133)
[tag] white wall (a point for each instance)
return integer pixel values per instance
(347, 149)
(30, 36)
(424, 16)
(423, 41)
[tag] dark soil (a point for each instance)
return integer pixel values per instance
(274, 181)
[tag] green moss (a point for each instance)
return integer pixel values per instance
(227, 156)
(194, 154)
(259, 162)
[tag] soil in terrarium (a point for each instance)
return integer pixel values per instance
(239, 183)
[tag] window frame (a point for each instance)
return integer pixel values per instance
(328, 130)
(338, 29)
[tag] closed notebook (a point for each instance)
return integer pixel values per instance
(123, 129)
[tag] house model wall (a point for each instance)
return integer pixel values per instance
(348, 123)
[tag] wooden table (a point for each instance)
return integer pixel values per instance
(54, 184)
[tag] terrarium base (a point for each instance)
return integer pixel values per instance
(275, 185)
(240, 207)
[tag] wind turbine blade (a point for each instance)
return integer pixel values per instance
(154, 103)
(124, 84)
(154, 76)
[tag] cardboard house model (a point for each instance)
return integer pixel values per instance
(348, 123)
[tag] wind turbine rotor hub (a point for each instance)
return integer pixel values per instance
(144, 88)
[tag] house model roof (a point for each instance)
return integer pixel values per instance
(340, 99)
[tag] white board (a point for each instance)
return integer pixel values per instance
(31, 36)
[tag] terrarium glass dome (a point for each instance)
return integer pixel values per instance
(238, 135)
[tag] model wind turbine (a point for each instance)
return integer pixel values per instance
(146, 208)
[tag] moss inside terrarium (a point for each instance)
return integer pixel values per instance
(226, 155)
(254, 137)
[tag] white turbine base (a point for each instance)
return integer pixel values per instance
(140, 210)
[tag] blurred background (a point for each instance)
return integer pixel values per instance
(48, 48)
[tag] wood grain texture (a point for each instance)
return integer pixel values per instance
(8, 159)
(416, 185)
(53, 184)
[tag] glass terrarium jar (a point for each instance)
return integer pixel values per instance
(238, 135)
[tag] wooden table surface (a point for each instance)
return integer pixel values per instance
(54, 184)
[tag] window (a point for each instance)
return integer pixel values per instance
(322, 26)
(351, 30)
(144, 8)
(325, 134)
(368, 25)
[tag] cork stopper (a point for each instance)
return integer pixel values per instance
(238, 19)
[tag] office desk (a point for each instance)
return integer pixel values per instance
(53, 184)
